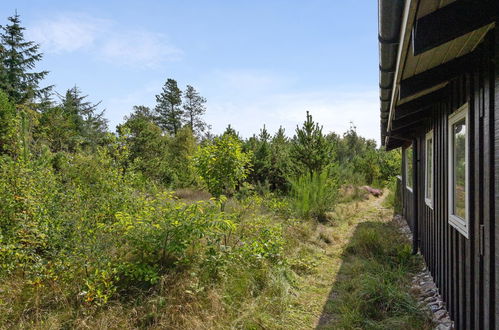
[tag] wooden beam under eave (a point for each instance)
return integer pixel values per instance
(450, 22)
(436, 76)
(418, 105)
(410, 122)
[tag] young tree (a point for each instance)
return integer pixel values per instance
(181, 150)
(194, 108)
(261, 157)
(280, 158)
(222, 164)
(310, 149)
(17, 58)
(168, 107)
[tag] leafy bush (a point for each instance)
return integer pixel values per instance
(314, 195)
(222, 164)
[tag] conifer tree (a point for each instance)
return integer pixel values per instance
(89, 122)
(194, 108)
(310, 149)
(168, 107)
(18, 57)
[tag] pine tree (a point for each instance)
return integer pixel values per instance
(194, 108)
(280, 160)
(18, 57)
(310, 149)
(168, 107)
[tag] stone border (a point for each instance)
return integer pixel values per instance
(424, 289)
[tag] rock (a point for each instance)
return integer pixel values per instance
(440, 314)
(444, 326)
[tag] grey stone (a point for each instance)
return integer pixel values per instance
(444, 327)
(440, 314)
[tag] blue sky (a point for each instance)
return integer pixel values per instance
(257, 62)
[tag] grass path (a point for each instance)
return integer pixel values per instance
(314, 289)
(343, 279)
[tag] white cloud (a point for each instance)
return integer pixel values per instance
(67, 33)
(139, 48)
(104, 39)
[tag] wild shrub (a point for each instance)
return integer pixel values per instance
(315, 194)
(222, 164)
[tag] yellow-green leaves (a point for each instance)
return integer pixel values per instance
(222, 164)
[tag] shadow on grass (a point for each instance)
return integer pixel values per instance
(371, 290)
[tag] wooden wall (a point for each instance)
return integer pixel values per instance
(463, 269)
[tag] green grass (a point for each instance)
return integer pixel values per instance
(372, 286)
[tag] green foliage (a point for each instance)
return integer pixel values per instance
(148, 147)
(17, 58)
(168, 110)
(194, 108)
(271, 160)
(316, 194)
(222, 164)
(182, 148)
(310, 150)
(9, 127)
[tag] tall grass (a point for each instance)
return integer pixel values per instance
(314, 195)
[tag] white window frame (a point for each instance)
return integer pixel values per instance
(407, 168)
(462, 225)
(429, 171)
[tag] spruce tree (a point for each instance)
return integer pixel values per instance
(168, 107)
(89, 122)
(194, 108)
(18, 57)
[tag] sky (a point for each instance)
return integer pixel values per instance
(259, 62)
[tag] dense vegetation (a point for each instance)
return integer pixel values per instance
(160, 216)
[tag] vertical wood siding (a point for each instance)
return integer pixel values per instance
(463, 269)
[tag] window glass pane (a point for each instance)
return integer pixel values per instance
(408, 167)
(429, 168)
(459, 166)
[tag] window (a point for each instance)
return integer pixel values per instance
(458, 170)
(409, 176)
(429, 169)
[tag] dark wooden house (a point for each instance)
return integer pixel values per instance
(439, 91)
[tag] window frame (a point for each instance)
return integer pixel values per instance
(406, 170)
(428, 173)
(462, 225)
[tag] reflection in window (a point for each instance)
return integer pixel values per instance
(429, 169)
(459, 168)
(408, 168)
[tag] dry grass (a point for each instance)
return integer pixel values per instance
(194, 195)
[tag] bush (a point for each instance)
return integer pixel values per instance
(222, 164)
(315, 195)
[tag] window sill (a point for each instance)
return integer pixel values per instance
(460, 224)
